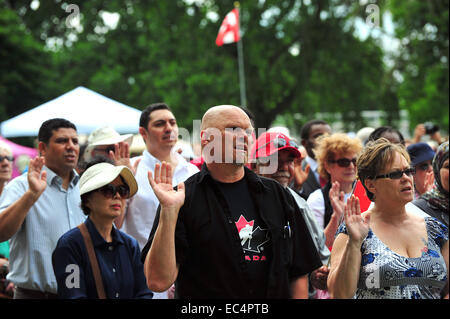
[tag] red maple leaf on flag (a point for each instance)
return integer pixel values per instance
(229, 29)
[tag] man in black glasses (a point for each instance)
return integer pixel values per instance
(226, 232)
(273, 156)
(421, 157)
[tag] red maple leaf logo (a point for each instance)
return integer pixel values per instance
(242, 222)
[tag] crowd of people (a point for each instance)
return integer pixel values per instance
(253, 217)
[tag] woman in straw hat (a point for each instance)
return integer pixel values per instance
(114, 270)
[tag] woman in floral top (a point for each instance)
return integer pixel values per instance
(388, 252)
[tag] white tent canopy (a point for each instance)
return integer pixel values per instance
(85, 108)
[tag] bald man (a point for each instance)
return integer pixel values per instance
(226, 232)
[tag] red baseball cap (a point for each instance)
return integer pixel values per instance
(270, 142)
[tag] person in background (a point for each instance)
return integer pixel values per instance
(427, 128)
(388, 252)
(6, 160)
(158, 127)
(364, 133)
(309, 134)
(38, 207)
(280, 151)
(104, 189)
(105, 141)
(421, 156)
(435, 202)
(336, 155)
(391, 134)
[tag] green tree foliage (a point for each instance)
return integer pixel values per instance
(23, 64)
(300, 56)
(423, 62)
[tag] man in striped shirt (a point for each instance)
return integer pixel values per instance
(40, 206)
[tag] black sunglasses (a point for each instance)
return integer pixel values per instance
(106, 150)
(344, 162)
(111, 190)
(9, 158)
(423, 166)
(280, 142)
(398, 174)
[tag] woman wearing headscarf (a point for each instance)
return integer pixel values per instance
(96, 260)
(435, 201)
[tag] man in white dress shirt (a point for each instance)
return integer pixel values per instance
(159, 130)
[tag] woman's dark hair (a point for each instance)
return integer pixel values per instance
(96, 160)
(384, 131)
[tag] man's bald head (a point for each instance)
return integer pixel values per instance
(215, 115)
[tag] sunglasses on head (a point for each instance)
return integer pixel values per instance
(398, 174)
(280, 142)
(111, 190)
(423, 166)
(344, 162)
(9, 158)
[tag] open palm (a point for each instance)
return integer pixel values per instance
(357, 226)
(37, 178)
(337, 199)
(162, 186)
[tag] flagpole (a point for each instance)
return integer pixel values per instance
(241, 63)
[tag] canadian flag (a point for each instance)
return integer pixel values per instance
(229, 30)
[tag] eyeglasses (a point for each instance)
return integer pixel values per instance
(111, 190)
(398, 174)
(280, 142)
(423, 166)
(9, 158)
(105, 150)
(344, 162)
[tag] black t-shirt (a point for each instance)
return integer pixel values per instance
(253, 233)
(209, 251)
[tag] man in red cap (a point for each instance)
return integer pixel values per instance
(273, 156)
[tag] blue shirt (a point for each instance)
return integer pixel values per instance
(119, 261)
(55, 212)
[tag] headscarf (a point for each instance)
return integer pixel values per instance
(438, 196)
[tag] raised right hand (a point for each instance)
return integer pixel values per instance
(162, 186)
(357, 226)
(37, 178)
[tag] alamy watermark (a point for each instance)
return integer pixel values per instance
(74, 17)
(373, 17)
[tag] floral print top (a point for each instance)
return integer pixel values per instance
(385, 274)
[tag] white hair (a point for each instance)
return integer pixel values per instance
(5, 148)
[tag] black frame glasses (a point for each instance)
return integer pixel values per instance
(279, 142)
(9, 158)
(398, 174)
(344, 162)
(110, 190)
(106, 150)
